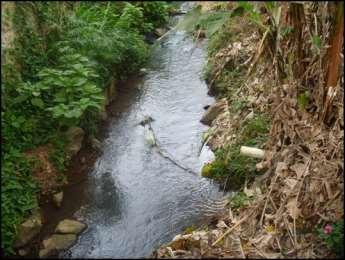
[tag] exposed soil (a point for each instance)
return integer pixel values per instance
(44, 172)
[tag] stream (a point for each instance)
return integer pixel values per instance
(135, 199)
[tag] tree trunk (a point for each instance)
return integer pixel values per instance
(334, 60)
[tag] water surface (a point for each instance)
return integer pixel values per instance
(137, 199)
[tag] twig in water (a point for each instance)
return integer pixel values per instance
(166, 154)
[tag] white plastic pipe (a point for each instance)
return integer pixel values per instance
(252, 152)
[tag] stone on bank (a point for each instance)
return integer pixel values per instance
(28, 230)
(70, 226)
(55, 243)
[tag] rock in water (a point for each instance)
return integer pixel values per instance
(213, 111)
(75, 136)
(28, 230)
(143, 71)
(70, 226)
(57, 199)
(56, 242)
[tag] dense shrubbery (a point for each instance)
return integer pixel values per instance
(64, 55)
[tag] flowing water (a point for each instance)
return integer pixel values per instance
(136, 198)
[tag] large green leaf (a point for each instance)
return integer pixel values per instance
(37, 102)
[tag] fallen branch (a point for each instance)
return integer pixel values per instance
(166, 155)
(232, 228)
(167, 33)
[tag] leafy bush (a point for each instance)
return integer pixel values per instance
(67, 91)
(17, 195)
(132, 19)
(155, 12)
(108, 46)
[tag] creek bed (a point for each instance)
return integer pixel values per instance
(134, 199)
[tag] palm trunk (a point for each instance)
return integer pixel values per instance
(334, 61)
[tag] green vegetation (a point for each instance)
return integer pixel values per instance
(190, 229)
(17, 194)
(333, 236)
(63, 57)
(229, 166)
(239, 200)
(232, 167)
(210, 21)
(255, 130)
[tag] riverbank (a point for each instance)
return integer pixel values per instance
(77, 174)
(289, 202)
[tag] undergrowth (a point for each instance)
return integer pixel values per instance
(239, 200)
(230, 167)
(333, 236)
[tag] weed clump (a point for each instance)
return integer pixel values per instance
(333, 236)
(231, 167)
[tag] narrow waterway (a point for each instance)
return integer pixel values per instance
(135, 198)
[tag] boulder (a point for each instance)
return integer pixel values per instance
(28, 230)
(213, 111)
(75, 136)
(56, 242)
(57, 199)
(70, 226)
